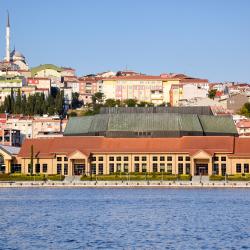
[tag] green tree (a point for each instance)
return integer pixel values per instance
(130, 102)
(24, 105)
(12, 101)
(110, 103)
(18, 103)
(245, 110)
(59, 103)
(98, 97)
(145, 104)
(75, 101)
(212, 93)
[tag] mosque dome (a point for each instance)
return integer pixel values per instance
(16, 55)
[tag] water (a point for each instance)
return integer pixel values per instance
(124, 219)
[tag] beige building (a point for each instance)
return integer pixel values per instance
(194, 155)
(34, 127)
(141, 87)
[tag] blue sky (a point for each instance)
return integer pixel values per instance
(209, 39)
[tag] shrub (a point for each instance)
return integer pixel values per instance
(239, 177)
(185, 177)
(55, 177)
(216, 178)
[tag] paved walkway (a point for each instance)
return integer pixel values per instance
(126, 184)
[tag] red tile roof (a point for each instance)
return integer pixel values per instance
(243, 124)
(242, 147)
(138, 78)
(69, 144)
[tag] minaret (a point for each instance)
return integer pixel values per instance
(7, 57)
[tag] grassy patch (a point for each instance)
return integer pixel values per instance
(236, 177)
(216, 178)
(23, 177)
(137, 177)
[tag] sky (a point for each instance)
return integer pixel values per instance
(208, 39)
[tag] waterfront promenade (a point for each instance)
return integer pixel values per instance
(125, 184)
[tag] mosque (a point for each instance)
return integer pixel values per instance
(14, 60)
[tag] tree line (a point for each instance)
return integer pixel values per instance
(98, 102)
(36, 104)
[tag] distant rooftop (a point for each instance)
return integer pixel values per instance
(199, 110)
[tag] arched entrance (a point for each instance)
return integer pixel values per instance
(2, 165)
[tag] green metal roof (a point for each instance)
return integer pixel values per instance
(78, 125)
(217, 124)
(150, 122)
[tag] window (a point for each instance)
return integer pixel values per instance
(37, 168)
(144, 167)
(65, 169)
(223, 158)
(238, 168)
(180, 168)
(180, 158)
(162, 167)
(246, 168)
(100, 168)
(59, 158)
(111, 168)
(169, 158)
(111, 158)
(162, 158)
(16, 168)
(155, 167)
(100, 158)
(137, 158)
(169, 167)
(137, 167)
(155, 158)
(59, 168)
(125, 158)
(216, 158)
(216, 169)
(223, 169)
(93, 158)
(118, 158)
(118, 167)
(187, 158)
(144, 158)
(187, 168)
(65, 158)
(93, 168)
(125, 167)
(29, 168)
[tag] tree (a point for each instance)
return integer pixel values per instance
(75, 101)
(245, 110)
(212, 93)
(110, 103)
(130, 102)
(12, 101)
(36, 104)
(98, 97)
(24, 105)
(145, 104)
(18, 103)
(59, 103)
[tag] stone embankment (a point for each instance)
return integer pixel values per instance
(124, 184)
